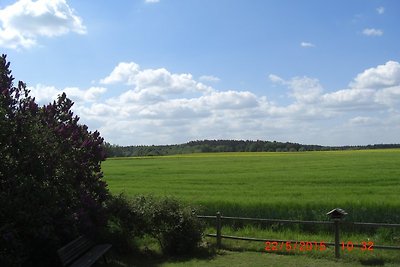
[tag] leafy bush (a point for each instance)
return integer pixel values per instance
(50, 179)
(174, 225)
(127, 221)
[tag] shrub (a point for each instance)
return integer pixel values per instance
(175, 226)
(50, 179)
(126, 221)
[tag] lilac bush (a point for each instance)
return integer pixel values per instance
(51, 186)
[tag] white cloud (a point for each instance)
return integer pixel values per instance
(372, 32)
(124, 72)
(303, 89)
(382, 76)
(132, 96)
(24, 21)
(98, 110)
(389, 96)
(89, 95)
(209, 78)
(151, 1)
(360, 120)
(162, 81)
(161, 107)
(45, 94)
(307, 44)
(229, 100)
(376, 88)
(380, 10)
(153, 82)
(349, 99)
(13, 39)
(276, 79)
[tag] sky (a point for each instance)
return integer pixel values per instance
(146, 72)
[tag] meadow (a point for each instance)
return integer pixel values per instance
(298, 185)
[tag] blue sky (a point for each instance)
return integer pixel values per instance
(171, 71)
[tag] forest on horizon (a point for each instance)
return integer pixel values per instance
(212, 146)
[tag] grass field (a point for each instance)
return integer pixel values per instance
(240, 259)
(299, 185)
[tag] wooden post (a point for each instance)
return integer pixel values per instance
(337, 239)
(337, 215)
(218, 229)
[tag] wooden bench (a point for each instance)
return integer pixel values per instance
(82, 252)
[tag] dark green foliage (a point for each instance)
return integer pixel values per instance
(50, 178)
(127, 221)
(174, 225)
(211, 146)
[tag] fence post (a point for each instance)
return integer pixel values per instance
(337, 238)
(337, 215)
(218, 229)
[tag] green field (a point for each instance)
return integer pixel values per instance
(298, 185)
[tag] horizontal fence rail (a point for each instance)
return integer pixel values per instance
(272, 220)
(372, 224)
(336, 222)
(264, 239)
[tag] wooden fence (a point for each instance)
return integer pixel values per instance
(337, 222)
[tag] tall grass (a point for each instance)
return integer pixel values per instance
(356, 254)
(299, 185)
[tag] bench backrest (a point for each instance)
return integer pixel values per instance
(74, 249)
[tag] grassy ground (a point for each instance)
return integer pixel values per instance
(300, 185)
(315, 252)
(231, 258)
(276, 185)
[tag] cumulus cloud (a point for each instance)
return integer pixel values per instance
(162, 81)
(24, 21)
(376, 88)
(276, 79)
(360, 120)
(89, 95)
(349, 99)
(307, 44)
(13, 39)
(372, 32)
(303, 89)
(153, 82)
(209, 78)
(45, 94)
(161, 107)
(389, 96)
(380, 10)
(382, 76)
(229, 100)
(124, 72)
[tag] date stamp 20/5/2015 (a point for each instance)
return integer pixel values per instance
(317, 246)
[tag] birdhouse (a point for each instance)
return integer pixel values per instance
(337, 214)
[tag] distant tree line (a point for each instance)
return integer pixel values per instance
(212, 146)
